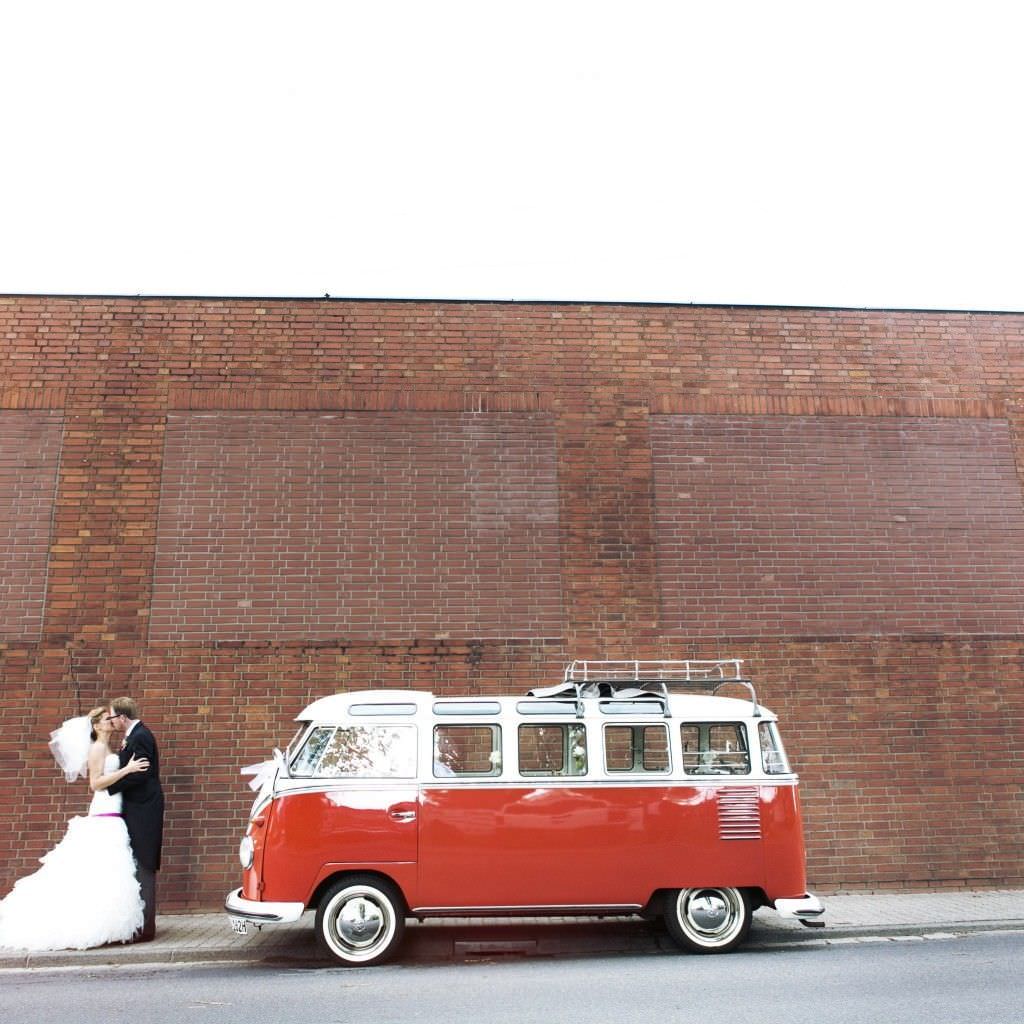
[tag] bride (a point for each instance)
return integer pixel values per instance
(56, 908)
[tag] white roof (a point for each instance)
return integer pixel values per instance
(337, 705)
(688, 707)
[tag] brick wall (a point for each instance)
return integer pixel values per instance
(29, 453)
(368, 525)
(797, 525)
(189, 488)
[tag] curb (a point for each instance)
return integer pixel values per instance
(472, 943)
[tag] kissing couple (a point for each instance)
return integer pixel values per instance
(98, 884)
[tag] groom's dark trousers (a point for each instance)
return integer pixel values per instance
(142, 805)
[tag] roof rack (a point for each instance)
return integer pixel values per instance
(632, 680)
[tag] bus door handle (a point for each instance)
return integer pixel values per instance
(402, 812)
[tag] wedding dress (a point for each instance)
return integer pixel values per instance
(85, 894)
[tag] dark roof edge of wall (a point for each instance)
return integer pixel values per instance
(507, 302)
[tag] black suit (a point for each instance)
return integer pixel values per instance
(143, 810)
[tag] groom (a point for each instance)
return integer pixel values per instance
(142, 806)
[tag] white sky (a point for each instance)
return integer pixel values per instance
(825, 153)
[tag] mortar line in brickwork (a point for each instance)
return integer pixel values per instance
(579, 304)
(160, 506)
(189, 398)
(1015, 424)
(31, 468)
(29, 398)
(832, 406)
(52, 525)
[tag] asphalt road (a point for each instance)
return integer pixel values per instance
(975, 979)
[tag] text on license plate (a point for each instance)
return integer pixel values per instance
(239, 926)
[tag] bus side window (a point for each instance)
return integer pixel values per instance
(690, 737)
(552, 749)
(467, 750)
(636, 748)
(715, 748)
(370, 752)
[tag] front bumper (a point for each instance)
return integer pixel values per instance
(808, 910)
(261, 913)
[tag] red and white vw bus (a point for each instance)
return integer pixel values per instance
(611, 793)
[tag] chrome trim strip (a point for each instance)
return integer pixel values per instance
(661, 782)
(296, 786)
(530, 908)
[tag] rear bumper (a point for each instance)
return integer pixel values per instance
(261, 913)
(807, 910)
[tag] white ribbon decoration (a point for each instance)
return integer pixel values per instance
(70, 747)
(264, 771)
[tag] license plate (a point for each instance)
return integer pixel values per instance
(239, 926)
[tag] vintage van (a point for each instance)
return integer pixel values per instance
(618, 791)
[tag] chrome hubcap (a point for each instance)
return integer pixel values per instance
(709, 911)
(360, 922)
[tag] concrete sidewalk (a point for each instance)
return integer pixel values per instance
(198, 938)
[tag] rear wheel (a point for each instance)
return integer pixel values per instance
(361, 920)
(707, 920)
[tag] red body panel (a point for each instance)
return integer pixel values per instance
(526, 846)
(259, 828)
(580, 846)
(315, 834)
(784, 855)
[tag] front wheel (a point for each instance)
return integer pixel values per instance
(707, 920)
(361, 920)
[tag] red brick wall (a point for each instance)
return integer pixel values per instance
(541, 432)
(803, 525)
(29, 455)
(365, 525)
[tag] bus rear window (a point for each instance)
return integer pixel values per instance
(773, 757)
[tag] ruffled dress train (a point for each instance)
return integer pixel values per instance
(85, 894)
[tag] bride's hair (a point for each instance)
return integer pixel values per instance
(94, 716)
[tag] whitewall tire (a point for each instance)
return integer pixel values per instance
(361, 920)
(708, 920)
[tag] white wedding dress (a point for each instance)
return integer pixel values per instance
(86, 893)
